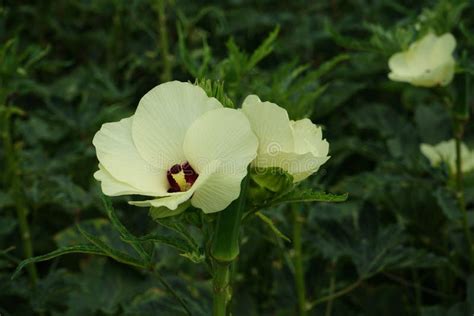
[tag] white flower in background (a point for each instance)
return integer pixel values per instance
(297, 147)
(446, 152)
(179, 145)
(428, 62)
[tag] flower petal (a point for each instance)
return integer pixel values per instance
(218, 192)
(111, 186)
(173, 200)
(222, 135)
(427, 63)
(270, 123)
(309, 138)
(300, 166)
(443, 48)
(120, 159)
(163, 117)
(401, 66)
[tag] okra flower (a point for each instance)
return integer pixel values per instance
(297, 147)
(427, 62)
(446, 152)
(180, 144)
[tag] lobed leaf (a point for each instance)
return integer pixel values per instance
(87, 249)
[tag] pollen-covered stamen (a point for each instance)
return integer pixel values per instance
(181, 177)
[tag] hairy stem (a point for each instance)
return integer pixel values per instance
(298, 260)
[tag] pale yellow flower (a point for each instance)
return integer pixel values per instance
(179, 145)
(297, 147)
(428, 62)
(446, 152)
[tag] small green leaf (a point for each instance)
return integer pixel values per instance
(268, 221)
(215, 89)
(88, 249)
(162, 211)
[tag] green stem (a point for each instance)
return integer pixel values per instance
(459, 132)
(298, 260)
(225, 249)
(222, 289)
(166, 74)
(13, 177)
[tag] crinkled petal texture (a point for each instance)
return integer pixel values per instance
(297, 147)
(445, 151)
(175, 123)
(428, 62)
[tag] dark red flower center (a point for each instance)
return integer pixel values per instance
(181, 177)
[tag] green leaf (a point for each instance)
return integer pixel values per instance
(151, 301)
(7, 225)
(309, 195)
(162, 211)
(111, 252)
(268, 221)
(448, 204)
(174, 242)
(373, 250)
(103, 288)
(263, 50)
(5, 200)
(99, 227)
(124, 233)
(88, 249)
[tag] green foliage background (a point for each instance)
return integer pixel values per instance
(396, 246)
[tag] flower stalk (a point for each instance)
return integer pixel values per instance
(298, 260)
(225, 249)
